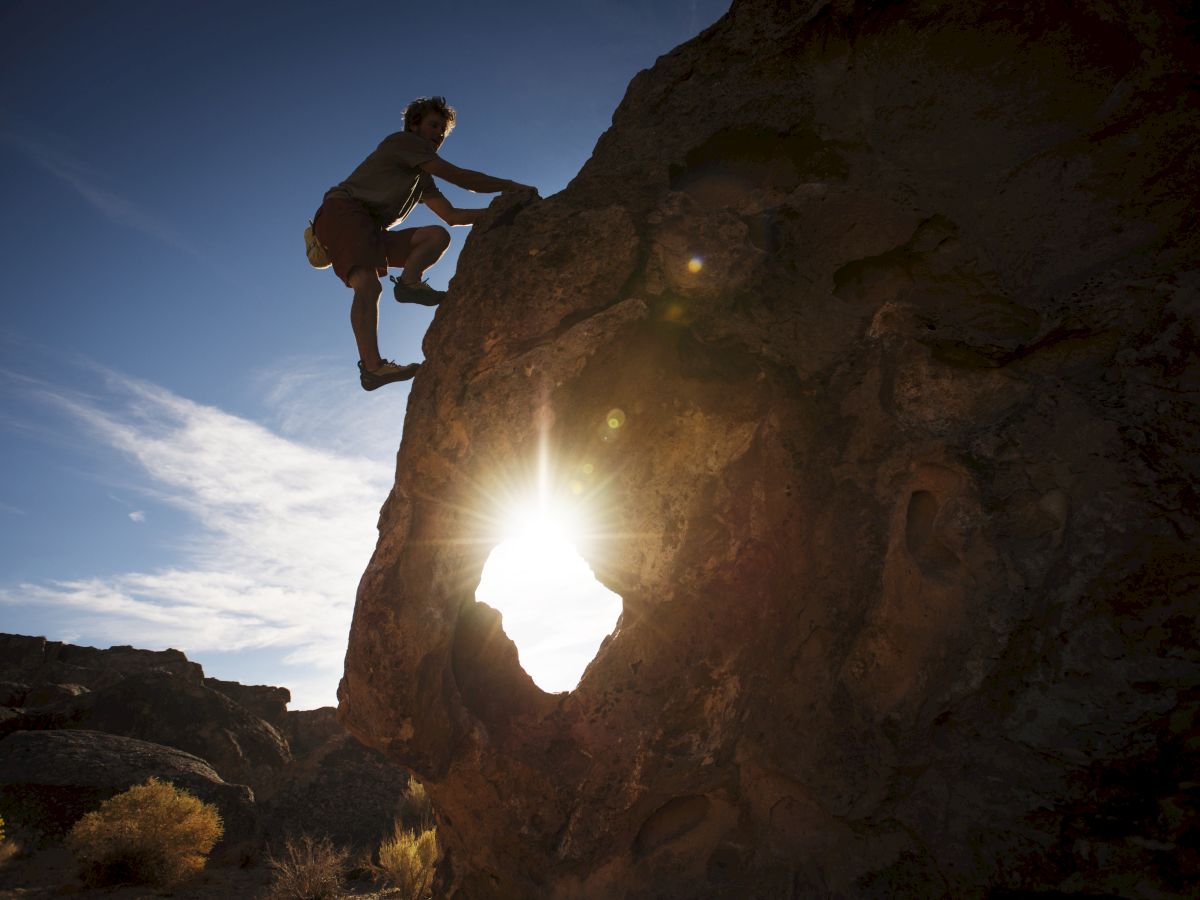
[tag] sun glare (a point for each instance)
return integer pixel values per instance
(553, 608)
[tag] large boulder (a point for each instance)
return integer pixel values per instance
(899, 304)
(50, 779)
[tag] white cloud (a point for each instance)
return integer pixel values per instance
(137, 516)
(286, 530)
(309, 403)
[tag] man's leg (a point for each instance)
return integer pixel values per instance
(364, 315)
(426, 247)
(373, 371)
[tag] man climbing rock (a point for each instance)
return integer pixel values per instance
(354, 219)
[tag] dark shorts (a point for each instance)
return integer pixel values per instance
(353, 239)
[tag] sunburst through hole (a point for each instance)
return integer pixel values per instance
(552, 606)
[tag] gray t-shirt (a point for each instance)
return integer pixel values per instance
(388, 182)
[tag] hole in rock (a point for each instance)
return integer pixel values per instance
(553, 607)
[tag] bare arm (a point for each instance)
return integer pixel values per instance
(450, 214)
(468, 179)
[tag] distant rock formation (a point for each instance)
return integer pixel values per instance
(170, 710)
(84, 710)
(899, 301)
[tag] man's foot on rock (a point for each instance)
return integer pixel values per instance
(387, 372)
(420, 293)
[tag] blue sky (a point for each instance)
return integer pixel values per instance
(188, 459)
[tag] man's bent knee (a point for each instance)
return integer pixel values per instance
(434, 234)
(364, 282)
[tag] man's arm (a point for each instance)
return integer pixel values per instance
(467, 179)
(450, 214)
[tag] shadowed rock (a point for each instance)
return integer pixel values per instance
(264, 701)
(334, 786)
(904, 507)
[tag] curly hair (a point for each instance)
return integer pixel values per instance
(415, 112)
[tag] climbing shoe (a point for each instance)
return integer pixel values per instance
(385, 374)
(420, 293)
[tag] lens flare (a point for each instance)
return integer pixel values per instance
(673, 312)
(695, 264)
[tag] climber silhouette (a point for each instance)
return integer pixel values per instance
(352, 225)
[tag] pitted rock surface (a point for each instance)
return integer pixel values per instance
(904, 508)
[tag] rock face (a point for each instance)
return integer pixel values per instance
(903, 509)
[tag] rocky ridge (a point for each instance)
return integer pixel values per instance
(899, 304)
(80, 724)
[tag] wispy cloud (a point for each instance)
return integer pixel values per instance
(285, 531)
(137, 516)
(308, 402)
(90, 185)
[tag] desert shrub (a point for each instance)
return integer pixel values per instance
(407, 861)
(153, 833)
(416, 809)
(309, 869)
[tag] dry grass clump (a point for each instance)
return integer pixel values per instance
(407, 860)
(153, 833)
(416, 809)
(309, 869)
